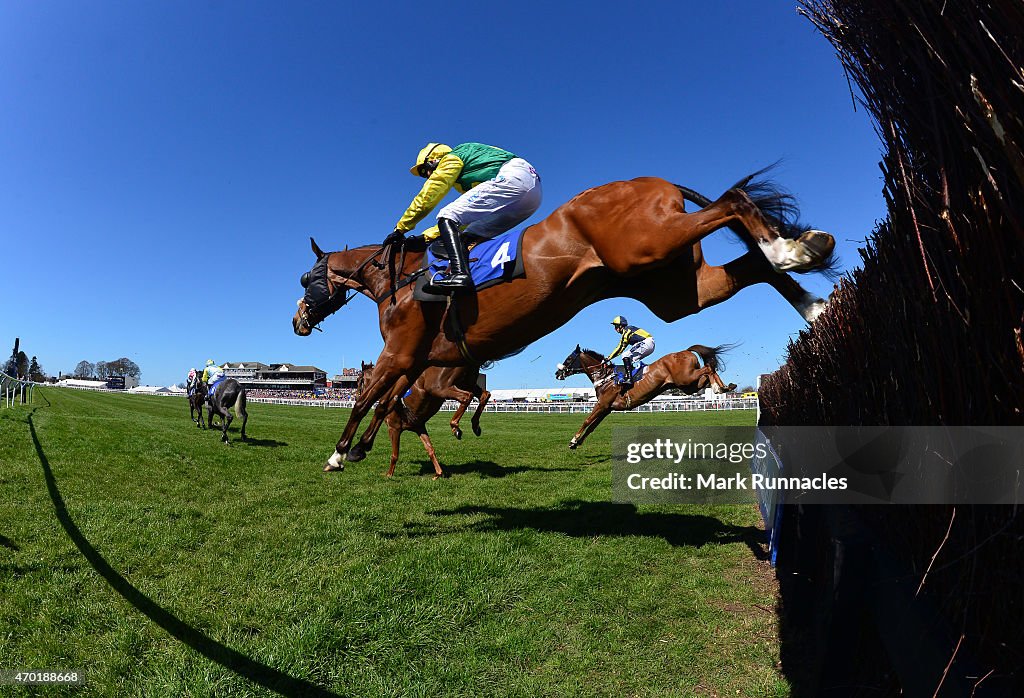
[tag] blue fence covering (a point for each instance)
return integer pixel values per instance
(769, 501)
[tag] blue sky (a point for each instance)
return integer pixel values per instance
(162, 165)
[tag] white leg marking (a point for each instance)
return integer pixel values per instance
(785, 255)
(810, 307)
(336, 461)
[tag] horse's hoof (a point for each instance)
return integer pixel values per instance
(730, 388)
(573, 445)
(477, 430)
(818, 244)
(806, 253)
(355, 454)
(457, 433)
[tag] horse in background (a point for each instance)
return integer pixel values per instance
(680, 370)
(196, 400)
(228, 395)
(423, 401)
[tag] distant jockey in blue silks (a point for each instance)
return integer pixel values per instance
(634, 344)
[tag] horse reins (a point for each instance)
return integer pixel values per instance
(396, 286)
(569, 371)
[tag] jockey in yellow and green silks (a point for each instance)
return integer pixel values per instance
(634, 344)
(498, 191)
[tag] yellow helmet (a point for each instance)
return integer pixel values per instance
(432, 151)
(619, 320)
(209, 362)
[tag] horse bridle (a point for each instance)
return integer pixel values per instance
(567, 371)
(329, 303)
(314, 309)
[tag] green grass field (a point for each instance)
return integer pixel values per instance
(139, 549)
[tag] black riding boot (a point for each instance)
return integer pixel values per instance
(627, 365)
(458, 278)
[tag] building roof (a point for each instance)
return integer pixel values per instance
(297, 369)
(82, 383)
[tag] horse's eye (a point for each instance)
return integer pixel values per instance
(305, 280)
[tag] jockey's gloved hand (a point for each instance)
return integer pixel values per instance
(395, 236)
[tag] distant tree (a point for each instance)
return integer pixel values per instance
(35, 371)
(124, 367)
(85, 369)
(22, 364)
(746, 389)
(100, 369)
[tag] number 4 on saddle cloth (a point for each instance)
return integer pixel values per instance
(491, 262)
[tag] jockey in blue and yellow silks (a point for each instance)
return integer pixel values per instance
(499, 191)
(635, 343)
(212, 376)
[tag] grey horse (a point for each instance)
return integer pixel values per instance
(228, 395)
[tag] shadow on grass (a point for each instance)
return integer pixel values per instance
(486, 468)
(8, 543)
(263, 443)
(258, 673)
(588, 519)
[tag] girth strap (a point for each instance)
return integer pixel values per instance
(460, 335)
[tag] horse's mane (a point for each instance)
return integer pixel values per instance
(415, 243)
(591, 352)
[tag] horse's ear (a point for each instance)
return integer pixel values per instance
(346, 247)
(316, 249)
(577, 347)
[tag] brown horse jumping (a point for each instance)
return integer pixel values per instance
(625, 239)
(680, 370)
(424, 400)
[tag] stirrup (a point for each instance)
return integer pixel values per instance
(454, 282)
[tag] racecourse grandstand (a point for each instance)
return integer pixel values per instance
(346, 380)
(253, 375)
(244, 371)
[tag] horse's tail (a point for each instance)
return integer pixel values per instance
(775, 204)
(712, 356)
(239, 405)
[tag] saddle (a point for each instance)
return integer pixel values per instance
(491, 262)
(639, 369)
(212, 388)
